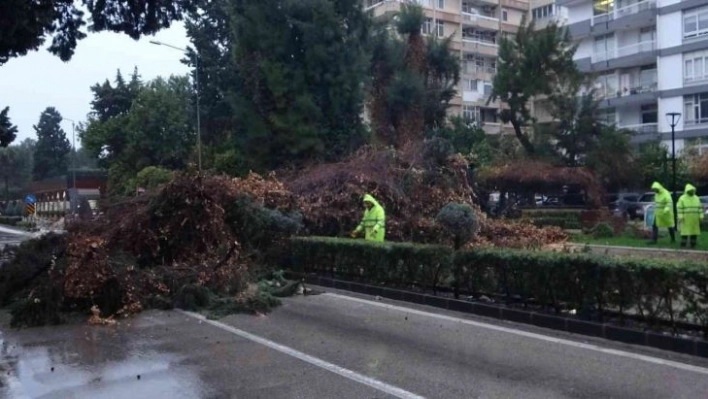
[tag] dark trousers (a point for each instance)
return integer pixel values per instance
(655, 233)
(692, 239)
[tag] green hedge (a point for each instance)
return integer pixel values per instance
(652, 289)
(10, 220)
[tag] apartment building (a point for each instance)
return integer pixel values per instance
(649, 58)
(475, 27)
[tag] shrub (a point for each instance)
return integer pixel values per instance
(460, 221)
(603, 230)
(10, 220)
(648, 288)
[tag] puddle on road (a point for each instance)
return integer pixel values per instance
(86, 369)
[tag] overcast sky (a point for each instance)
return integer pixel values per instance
(38, 80)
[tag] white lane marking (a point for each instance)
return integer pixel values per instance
(352, 375)
(591, 347)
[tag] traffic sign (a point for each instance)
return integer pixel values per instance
(30, 199)
(30, 209)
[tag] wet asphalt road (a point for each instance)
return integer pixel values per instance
(330, 346)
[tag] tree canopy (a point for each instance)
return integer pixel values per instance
(8, 131)
(25, 25)
(52, 148)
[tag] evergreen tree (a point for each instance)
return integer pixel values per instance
(301, 65)
(50, 155)
(8, 131)
(547, 56)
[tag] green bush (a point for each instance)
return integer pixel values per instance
(391, 263)
(653, 289)
(603, 230)
(460, 221)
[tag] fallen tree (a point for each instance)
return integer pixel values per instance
(189, 243)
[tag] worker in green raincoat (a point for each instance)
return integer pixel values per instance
(663, 212)
(374, 221)
(690, 214)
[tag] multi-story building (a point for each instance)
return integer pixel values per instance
(649, 58)
(475, 27)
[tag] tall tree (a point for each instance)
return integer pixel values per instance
(301, 66)
(412, 119)
(547, 56)
(8, 131)
(412, 85)
(50, 155)
(24, 25)
(15, 169)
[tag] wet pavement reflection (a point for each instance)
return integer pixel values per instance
(81, 361)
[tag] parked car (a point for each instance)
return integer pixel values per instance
(704, 202)
(648, 199)
(623, 204)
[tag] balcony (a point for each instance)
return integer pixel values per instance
(519, 5)
(642, 128)
(611, 53)
(479, 45)
(695, 123)
(481, 21)
(618, 13)
(472, 71)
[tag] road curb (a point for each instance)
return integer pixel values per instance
(581, 327)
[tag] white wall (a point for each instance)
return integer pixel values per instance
(671, 104)
(662, 3)
(513, 16)
(669, 30)
(670, 72)
(631, 115)
(680, 145)
(580, 12)
(584, 49)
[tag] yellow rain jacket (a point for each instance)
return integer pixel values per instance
(664, 206)
(690, 212)
(374, 221)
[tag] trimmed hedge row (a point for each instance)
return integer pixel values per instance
(10, 220)
(653, 290)
(563, 218)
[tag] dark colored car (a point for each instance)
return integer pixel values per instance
(624, 204)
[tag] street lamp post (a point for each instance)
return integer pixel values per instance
(73, 162)
(673, 119)
(196, 83)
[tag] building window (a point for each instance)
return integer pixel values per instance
(543, 11)
(441, 4)
(488, 115)
(650, 113)
(471, 84)
(696, 109)
(604, 47)
(695, 23)
(505, 15)
(695, 66)
(601, 7)
(469, 112)
(427, 27)
(424, 3)
(440, 28)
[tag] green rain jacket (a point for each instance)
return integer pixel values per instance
(664, 206)
(690, 212)
(374, 221)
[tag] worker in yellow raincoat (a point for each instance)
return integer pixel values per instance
(663, 212)
(690, 214)
(374, 221)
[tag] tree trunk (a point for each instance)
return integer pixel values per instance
(523, 139)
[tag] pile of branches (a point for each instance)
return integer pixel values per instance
(410, 184)
(519, 235)
(191, 236)
(413, 185)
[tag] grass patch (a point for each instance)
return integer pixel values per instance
(634, 242)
